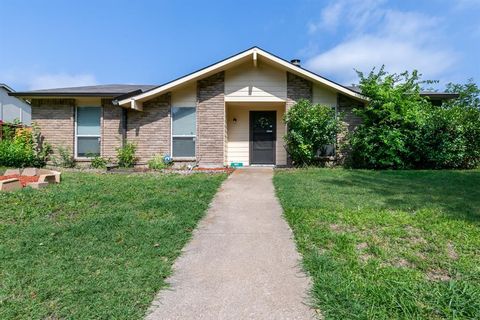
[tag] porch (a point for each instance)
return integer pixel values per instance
(254, 133)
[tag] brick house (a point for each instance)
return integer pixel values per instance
(229, 112)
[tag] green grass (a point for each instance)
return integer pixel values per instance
(387, 244)
(95, 246)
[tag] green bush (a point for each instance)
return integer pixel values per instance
(390, 121)
(310, 128)
(126, 155)
(99, 162)
(23, 147)
(401, 129)
(158, 162)
(450, 138)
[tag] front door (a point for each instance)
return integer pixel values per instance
(263, 134)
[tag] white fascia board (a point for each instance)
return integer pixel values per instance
(255, 52)
(198, 74)
(312, 76)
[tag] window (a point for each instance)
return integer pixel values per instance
(183, 131)
(88, 132)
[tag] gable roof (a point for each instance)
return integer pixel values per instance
(107, 90)
(6, 87)
(252, 54)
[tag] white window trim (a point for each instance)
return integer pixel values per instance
(194, 136)
(99, 136)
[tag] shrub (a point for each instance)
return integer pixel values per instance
(23, 148)
(99, 162)
(450, 138)
(401, 129)
(126, 155)
(65, 158)
(160, 162)
(390, 121)
(310, 128)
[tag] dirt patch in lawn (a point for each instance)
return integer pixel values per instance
(438, 275)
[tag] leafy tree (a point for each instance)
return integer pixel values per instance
(390, 121)
(469, 94)
(310, 128)
(402, 129)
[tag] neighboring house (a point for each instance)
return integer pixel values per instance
(229, 112)
(11, 108)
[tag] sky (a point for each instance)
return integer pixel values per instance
(51, 44)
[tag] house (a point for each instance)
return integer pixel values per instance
(11, 108)
(228, 112)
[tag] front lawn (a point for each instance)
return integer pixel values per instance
(95, 246)
(387, 244)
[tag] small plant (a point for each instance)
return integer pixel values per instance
(126, 155)
(98, 162)
(66, 158)
(160, 162)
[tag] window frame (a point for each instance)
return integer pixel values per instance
(194, 136)
(99, 136)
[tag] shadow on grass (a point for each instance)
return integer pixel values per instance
(455, 193)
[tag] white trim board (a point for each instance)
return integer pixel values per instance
(254, 54)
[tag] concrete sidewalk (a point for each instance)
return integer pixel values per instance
(241, 263)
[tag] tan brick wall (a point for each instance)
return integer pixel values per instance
(150, 128)
(297, 88)
(345, 106)
(55, 117)
(211, 120)
(111, 128)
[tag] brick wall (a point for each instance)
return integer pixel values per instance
(150, 128)
(55, 117)
(111, 128)
(345, 106)
(297, 88)
(211, 120)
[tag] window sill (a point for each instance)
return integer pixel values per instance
(180, 159)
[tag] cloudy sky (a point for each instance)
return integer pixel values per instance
(47, 44)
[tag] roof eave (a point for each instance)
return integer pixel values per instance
(63, 94)
(221, 65)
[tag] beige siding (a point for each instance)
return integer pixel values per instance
(324, 96)
(249, 83)
(185, 96)
(238, 145)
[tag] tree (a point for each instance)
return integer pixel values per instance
(390, 121)
(469, 94)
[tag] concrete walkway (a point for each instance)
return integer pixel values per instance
(241, 263)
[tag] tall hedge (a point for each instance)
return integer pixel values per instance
(401, 129)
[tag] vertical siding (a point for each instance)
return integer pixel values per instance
(238, 145)
(249, 83)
